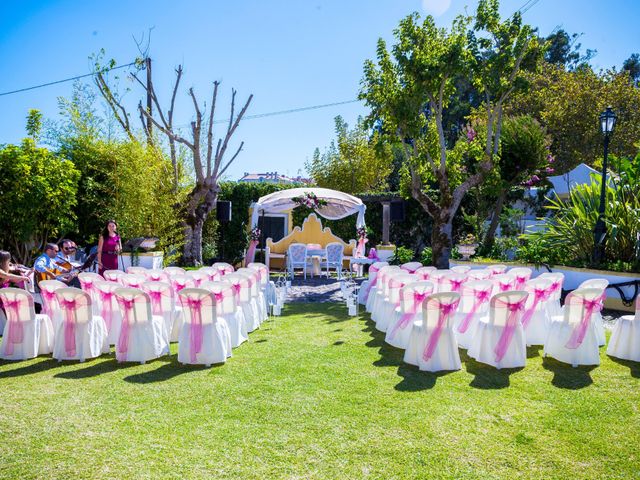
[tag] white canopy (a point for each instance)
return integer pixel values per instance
(562, 184)
(339, 205)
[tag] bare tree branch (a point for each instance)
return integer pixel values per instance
(212, 110)
(230, 161)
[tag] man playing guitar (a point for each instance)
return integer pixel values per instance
(46, 267)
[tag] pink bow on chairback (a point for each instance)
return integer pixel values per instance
(128, 318)
(106, 306)
(515, 310)
(156, 298)
(480, 298)
(580, 330)
(195, 327)
(410, 312)
(539, 294)
(69, 307)
(445, 311)
(16, 329)
(49, 297)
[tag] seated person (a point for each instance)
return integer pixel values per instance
(47, 269)
(6, 275)
(67, 253)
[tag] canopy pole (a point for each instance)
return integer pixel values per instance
(386, 220)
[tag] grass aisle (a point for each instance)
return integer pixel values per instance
(318, 396)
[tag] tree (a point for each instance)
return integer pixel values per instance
(632, 66)
(359, 162)
(209, 165)
(563, 50)
(409, 89)
(568, 104)
(38, 191)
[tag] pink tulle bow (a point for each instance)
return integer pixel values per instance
(16, 329)
(123, 339)
(509, 329)
(579, 332)
(195, 331)
(445, 310)
(481, 297)
(406, 317)
(69, 307)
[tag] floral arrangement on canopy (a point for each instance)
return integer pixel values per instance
(362, 233)
(255, 234)
(254, 238)
(309, 200)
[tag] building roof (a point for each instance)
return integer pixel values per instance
(272, 177)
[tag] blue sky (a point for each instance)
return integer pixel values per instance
(288, 54)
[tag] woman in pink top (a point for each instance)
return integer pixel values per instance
(109, 247)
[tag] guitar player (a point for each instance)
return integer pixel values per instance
(47, 268)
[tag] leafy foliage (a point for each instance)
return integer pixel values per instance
(402, 255)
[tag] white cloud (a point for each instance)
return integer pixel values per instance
(436, 7)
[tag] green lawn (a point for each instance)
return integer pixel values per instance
(318, 395)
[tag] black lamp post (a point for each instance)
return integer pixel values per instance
(607, 124)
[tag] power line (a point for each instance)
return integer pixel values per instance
(64, 80)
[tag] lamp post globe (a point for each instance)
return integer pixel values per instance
(607, 125)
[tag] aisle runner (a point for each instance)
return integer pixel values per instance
(315, 290)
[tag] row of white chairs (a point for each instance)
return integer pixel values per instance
(207, 321)
(396, 300)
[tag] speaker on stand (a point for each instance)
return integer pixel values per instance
(223, 215)
(397, 211)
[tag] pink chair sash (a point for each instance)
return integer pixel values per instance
(539, 294)
(373, 282)
(127, 305)
(406, 317)
(16, 329)
(49, 297)
(480, 298)
(456, 284)
(195, 327)
(515, 309)
(520, 281)
(251, 252)
(69, 307)
(106, 307)
(590, 306)
(445, 311)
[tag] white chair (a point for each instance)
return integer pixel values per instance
(242, 290)
(204, 336)
(198, 277)
(50, 305)
(424, 273)
(25, 334)
(87, 280)
(411, 298)
(156, 276)
(460, 269)
(297, 258)
(503, 282)
(499, 338)
(367, 286)
(380, 292)
(553, 304)
(391, 306)
(163, 303)
(411, 267)
(224, 267)
(333, 259)
(452, 282)
(81, 334)
(142, 335)
(109, 310)
(625, 338)
(137, 270)
(497, 269)
(113, 275)
(131, 280)
(437, 277)
(474, 304)
(213, 274)
(227, 309)
(602, 284)
(432, 345)
(522, 276)
(536, 319)
(171, 271)
(257, 295)
(479, 274)
(179, 281)
(572, 338)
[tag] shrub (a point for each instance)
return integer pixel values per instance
(426, 256)
(402, 255)
(504, 248)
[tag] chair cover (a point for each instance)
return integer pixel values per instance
(423, 273)
(503, 282)
(204, 337)
(380, 291)
(242, 290)
(625, 338)
(227, 309)
(109, 310)
(411, 266)
(411, 298)
(257, 295)
(474, 304)
(137, 271)
(171, 271)
(499, 339)
(602, 284)
(479, 274)
(497, 269)
(390, 308)
(437, 277)
(522, 276)
(452, 282)
(572, 338)
(81, 334)
(553, 304)
(536, 319)
(179, 281)
(369, 284)
(163, 303)
(142, 335)
(113, 275)
(223, 267)
(50, 305)
(25, 334)
(432, 345)
(263, 270)
(198, 277)
(460, 268)
(335, 252)
(87, 280)
(132, 280)
(156, 276)
(213, 274)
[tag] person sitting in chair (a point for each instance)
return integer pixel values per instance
(48, 269)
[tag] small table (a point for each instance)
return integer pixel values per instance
(360, 263)
(316, 252)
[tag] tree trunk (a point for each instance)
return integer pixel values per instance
(442, 240)
(490, 236)
(196, 214)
